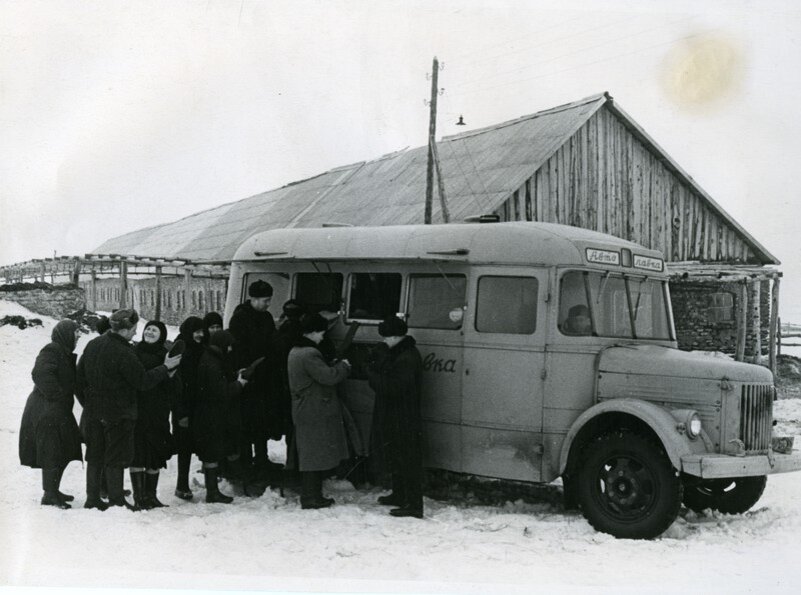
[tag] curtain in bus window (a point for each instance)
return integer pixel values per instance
(507, 305)
(436, 301)
(319, 291)
(374, 296)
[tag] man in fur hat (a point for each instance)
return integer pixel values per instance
(253, 327)
(396, 375)
(109, 375)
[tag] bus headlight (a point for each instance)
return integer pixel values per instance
(693, 425)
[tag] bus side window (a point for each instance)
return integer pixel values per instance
(374, 296)
(319, 291)
(436, 301)
(507, 305)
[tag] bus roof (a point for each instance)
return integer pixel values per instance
(514, 243)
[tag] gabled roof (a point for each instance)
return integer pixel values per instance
(481, 169)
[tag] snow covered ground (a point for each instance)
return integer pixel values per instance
(269, 543)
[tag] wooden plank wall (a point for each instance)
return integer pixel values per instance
(604, 178)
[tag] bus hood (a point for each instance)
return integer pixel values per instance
(656, 360)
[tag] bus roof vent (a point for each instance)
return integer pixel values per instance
(491, 218)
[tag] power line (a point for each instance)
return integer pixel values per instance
(582, 65)
(577, 51)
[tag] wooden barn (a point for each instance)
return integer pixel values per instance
(586, 164)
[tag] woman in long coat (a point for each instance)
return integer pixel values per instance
(49, 437)
(194, 336)
(320, 434)
(216, 425)
(152, 439)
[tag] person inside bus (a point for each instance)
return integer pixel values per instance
(578, 321)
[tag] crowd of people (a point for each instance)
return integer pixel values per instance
(220, 395)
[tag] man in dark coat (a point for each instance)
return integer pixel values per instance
(253, 328)
(109, 375)
(396, 377)
(320, 434)
(49, 438)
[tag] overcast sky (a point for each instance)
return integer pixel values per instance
(120, 115)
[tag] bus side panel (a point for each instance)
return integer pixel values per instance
(441, 405)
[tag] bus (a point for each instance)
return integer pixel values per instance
(549, 352)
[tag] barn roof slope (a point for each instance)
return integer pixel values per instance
(480, 168)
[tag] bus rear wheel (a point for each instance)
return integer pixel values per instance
(627, 487)
(731, 495)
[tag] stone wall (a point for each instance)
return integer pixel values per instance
(177, 303)
(705, 313)
(55, 302)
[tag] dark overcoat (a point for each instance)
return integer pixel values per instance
(396, 377)
(49, 436)
(254, 332)
(110, 376)
(320, 433)
(152, 438)
(216, 423)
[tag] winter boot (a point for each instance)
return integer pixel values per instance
(116, 495)
(50, 487)
(139, 492)
(311, 495)
(213, 493)
(94, 472)
(398, 495)
(62, 495)
(151, 488)
(182, 490)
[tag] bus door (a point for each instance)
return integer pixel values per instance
(502, 383)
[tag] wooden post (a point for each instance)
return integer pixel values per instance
(446, 216)
(187, 286)
(774, 323)
(123, 284)
(432, 133)
(76, 272)
(157, 314)
(742, 321)
(94, 290)
(779, 337)
(44, 272)
(756, 322)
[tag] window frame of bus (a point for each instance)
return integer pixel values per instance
(409, 283)
(478, 304)
(375, 321)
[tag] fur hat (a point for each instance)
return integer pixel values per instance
(313, 323)
(260, 289)
(124, 318)
(293, 309)
(211, 319)
(392, 327)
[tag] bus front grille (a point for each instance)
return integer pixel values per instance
(756, 417)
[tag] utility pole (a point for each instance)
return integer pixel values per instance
(432, 131)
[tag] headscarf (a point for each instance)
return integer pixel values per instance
(210, 319)
(188, 328)
(219, 343)
(63, 335)
(159, 344)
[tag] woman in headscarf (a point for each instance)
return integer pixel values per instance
(49, 437)
(212, 322)
(216, 424)
(152, 439)
(194, 336)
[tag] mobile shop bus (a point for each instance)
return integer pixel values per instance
(515, 390)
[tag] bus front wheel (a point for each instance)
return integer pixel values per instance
(627, 487)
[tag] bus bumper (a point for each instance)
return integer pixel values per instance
(715, 466)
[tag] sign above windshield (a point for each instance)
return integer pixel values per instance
(603, 256)
(648, 263)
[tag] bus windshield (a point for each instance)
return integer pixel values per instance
(613, 305)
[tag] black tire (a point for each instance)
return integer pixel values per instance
(731, 495)
(627, 487)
